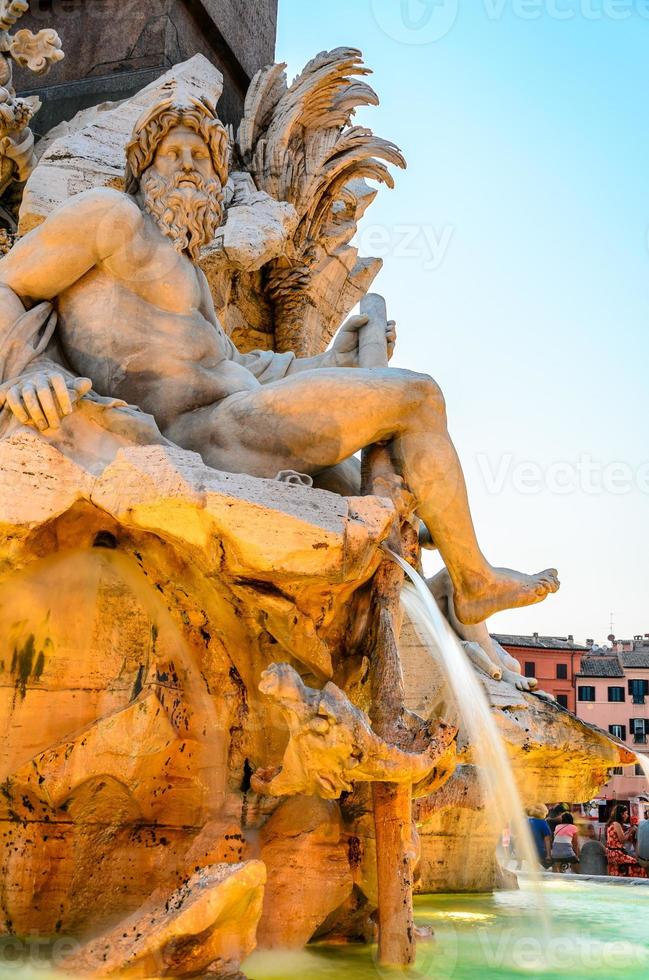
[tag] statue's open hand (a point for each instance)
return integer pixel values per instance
(44, 399)
(345, 346)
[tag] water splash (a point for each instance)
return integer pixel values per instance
(493, 765)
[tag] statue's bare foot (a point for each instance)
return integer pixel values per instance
(503, 588)
(479, 659)
(520, 682)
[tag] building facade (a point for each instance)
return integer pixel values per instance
(612, 689)
(554, 661)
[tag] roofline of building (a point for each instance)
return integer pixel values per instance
(610, 677)
(530, 643)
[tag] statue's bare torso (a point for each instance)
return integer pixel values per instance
(144, 314)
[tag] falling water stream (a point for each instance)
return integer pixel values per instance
(487, 747)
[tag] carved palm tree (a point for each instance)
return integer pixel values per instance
(299, 145)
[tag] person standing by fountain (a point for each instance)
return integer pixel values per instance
(555, 815)
(621, 864)
(642, 840)
(541, 833)
(565, 847)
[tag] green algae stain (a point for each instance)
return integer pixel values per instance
(23, 666)
(137, 686)
(40, 666)
(24, 661)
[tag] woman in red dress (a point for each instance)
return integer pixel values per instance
(621, 864)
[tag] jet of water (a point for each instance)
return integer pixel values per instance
(493, 765)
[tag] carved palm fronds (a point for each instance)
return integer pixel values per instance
(299, 145)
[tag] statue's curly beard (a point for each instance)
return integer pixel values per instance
(187, 213)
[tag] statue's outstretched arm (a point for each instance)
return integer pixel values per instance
(344, 350)
(34, 385)
(269, 366)
(87, 229)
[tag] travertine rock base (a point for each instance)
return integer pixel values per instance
(210, 922)
(306, 854)
(141, 598)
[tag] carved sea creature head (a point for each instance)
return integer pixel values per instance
(177, 159)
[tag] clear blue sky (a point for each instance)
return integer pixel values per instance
(517, 265)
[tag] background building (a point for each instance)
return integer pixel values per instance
(553, 660)
(613, 692)
(116, 47)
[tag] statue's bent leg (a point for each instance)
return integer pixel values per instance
(316, 419)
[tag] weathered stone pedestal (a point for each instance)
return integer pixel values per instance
(140, 601)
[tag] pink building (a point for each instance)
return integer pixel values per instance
(613, 693)
(553, 660)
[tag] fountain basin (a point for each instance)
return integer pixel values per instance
(598, 931)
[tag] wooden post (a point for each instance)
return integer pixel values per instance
(392, 802)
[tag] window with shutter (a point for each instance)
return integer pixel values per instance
(618, 731)
(638, 690)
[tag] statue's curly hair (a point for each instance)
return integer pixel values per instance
(197, 114)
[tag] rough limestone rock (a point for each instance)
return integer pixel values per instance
(458, 838)
(141, 599)
(303, 845)
(210, 922)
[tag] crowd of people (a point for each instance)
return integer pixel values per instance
(557, 840)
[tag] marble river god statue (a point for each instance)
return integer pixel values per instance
(136, 322)
(206, 740)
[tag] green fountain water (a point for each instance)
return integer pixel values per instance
(598, 931)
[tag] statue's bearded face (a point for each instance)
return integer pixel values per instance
(182, 192)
